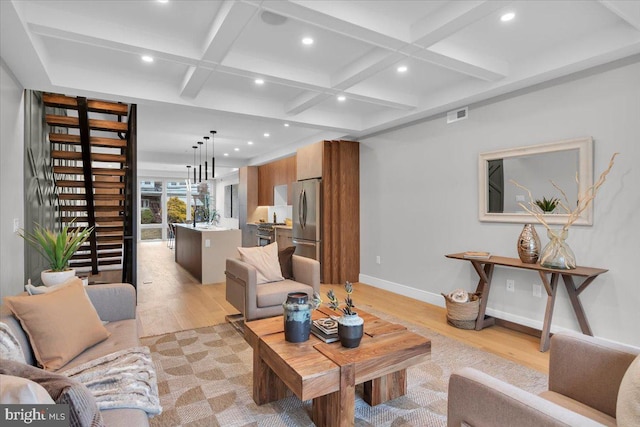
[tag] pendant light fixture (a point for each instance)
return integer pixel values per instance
(206, 155)
(200, 162)
(188, 181)
(213, 153)
(195, 147)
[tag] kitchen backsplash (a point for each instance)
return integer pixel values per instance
(281, 212)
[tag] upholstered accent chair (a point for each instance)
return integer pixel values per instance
(585, 374)
(257, 301)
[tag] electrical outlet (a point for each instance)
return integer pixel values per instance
(537, 290)
(207, 243)
(378, 260)
(16, 225)
(511, 285)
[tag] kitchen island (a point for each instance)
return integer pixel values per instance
(203, 250)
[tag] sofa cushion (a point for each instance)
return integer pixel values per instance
(580, 408)
(270, 294)
(124, 334)
(83, 410)
(285, 258)
(265, 260)
(60, 324)
(17, 390)
(628, 404)
(39, 290)
(10, 347)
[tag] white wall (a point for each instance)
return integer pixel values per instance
(11, 182)
(220, 184)
(419, 202)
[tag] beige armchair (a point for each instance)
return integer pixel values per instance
(584, 378)
(265, 300)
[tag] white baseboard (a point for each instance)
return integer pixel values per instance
(438, 300)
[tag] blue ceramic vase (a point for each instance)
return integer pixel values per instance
(297, 317)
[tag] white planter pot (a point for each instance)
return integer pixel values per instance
(53, 278)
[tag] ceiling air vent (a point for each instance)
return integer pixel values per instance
(455, 115)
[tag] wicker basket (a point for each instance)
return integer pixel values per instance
(463, 315)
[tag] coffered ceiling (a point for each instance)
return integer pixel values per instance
(209, 54)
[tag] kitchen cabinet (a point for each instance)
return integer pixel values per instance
(284, 237)
(309, 161)
(272, 174)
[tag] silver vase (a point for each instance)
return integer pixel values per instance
(529, 245)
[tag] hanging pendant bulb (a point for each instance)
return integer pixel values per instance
(195, 147)
(213, 153)
(187, 181)
(206, 156)
(200, 162)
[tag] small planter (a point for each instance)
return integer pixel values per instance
(463, 315)
(53, 278)
(350, 330)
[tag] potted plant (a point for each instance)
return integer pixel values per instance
(547, 206)
(350, 325)
(57, 249)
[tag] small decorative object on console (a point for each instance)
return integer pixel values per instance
(350, 325)
(477, 255)
(529, 245)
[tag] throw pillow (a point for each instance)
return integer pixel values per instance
(39, 290)
(265, 260)
(628, 404)
(10, 347)
(16, 390)
(83, 409)
(60, 324)
(285, 257)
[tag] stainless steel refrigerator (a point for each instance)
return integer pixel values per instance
(307, 232)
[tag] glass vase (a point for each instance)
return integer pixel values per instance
(557, 254)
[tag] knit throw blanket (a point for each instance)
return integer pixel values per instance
(124, 379)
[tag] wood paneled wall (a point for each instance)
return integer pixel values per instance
(280, 172)
(341, 212)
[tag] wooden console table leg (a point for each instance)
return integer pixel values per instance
(267, 387)
(552, 290)
(387, 387)
(575, 302)
(337, 409)
(484, 285)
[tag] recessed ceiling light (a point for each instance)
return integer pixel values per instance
(266, 135)
(286, 125)
(226, 154)
(250, 142)
(235, 169)
(342, 98)
(163, 1)
(259, 81)
(147, 58)
(507, 17)
(307, 40)
(236, 149)
(402, 69)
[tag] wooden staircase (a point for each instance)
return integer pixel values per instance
(93, 157)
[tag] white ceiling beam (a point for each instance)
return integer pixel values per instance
(450, 19)
(468, 63)
(227, 26)
(628, 11)
(363, 68)
(305, 101)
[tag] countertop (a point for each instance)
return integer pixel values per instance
(203, 227)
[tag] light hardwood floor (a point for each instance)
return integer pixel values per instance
(170, 299)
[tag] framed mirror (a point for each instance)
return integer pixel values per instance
(535, 167)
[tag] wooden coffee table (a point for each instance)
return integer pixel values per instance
(328, 373)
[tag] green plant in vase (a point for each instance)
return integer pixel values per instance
(547, 205)
(57, 248)
(350, 325)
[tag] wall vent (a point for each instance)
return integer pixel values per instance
(456, 115)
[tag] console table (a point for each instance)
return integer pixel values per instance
(549, 277)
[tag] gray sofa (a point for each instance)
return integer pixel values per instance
(584, 378)
(115, 303)
(265, 300)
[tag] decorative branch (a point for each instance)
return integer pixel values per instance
(584, 200)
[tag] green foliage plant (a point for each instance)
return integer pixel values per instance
(57, 248)
(547, 205)
(146, 216)
(334, 304)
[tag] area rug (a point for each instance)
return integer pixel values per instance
(204, 379)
